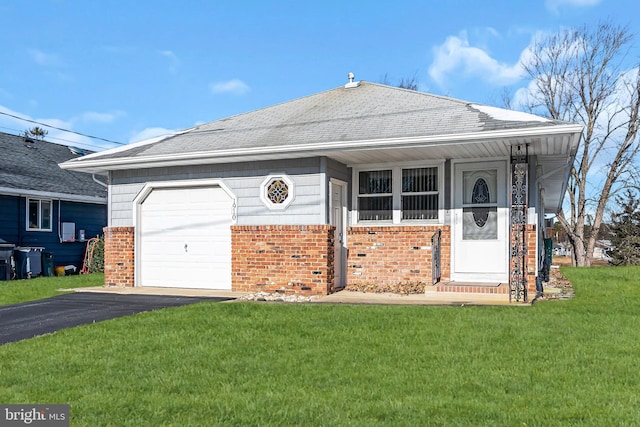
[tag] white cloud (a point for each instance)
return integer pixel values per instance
(92, 116)
(456, 55)
(44, 58)
(12, 124)
(17, 122)
(151, 132)
(234, 86)
(62, 137)
(21, 122)
(174, 62)
(554, 5)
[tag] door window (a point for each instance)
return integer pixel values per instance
(480, 207)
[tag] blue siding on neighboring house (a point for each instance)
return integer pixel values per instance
(9, 213)
(87, 216)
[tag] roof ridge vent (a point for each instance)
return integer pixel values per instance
(351, 83)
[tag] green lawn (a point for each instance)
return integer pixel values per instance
(573, 362)
(15, 291)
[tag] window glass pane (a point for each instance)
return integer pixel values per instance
(46, 214)
(375, 182)
(419, 180)
(480, 223)
(375, 208)
(420, 207)
(34, 210)
(480, 186)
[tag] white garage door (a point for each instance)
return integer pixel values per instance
(185, 238)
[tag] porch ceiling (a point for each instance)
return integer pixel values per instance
(560, 146)
(554, 155)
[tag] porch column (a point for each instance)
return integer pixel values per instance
(518, 230)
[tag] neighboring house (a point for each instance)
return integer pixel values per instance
(352, 185)
(562, 249)
(601, 249)
(45, 207)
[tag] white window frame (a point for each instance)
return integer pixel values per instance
(264, 188)
(27, 218)
(396, 173)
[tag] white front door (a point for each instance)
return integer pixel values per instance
(481, 218)
(338, 210)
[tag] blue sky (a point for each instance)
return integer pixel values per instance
(128, 70)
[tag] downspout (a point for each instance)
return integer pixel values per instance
(59, 222)
(93, 176)
(543, 268)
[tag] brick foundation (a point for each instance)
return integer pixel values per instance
(395, 254)
(300, 259)
(532, 255)
(283, 258)
(530, 270)
(119, 256)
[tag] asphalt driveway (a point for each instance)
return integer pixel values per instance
(30, 319)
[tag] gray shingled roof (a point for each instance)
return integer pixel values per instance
(34, 168)
(367, 112)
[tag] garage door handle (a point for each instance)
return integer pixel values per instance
(185, 248)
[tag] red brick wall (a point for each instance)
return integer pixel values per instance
(532, 255)
(119, 256)
(395, 254)
(530, 270)
(282, 257)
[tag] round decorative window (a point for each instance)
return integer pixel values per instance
(276, 192)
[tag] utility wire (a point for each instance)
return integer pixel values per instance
(64, 130)
(62, 141)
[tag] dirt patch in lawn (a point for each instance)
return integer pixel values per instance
(558, 286)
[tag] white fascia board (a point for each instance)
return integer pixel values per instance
(69, 163)
(51, 195)
(232, 155)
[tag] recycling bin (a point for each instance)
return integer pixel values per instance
(28, 261)
(47, 264)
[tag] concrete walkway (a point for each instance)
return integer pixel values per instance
(146, 290)
(431, 298)
(341, 297)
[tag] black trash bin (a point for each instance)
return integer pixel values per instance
(6, 250)
(20, 256)
(28, 262)
(47, 264)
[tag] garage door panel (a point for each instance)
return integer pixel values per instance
(185, 238)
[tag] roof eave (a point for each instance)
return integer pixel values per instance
(53, 195)
(570, 162)
(97, 165)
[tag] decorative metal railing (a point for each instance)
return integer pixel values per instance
(518, 229)
(435, 257)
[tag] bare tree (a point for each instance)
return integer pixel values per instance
(410, 83)
(578, 76)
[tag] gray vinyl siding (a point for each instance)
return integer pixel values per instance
(336, 170)
(243, 179)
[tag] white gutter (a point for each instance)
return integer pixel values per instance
(93, 176)
(201, 157)
(50, 195)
